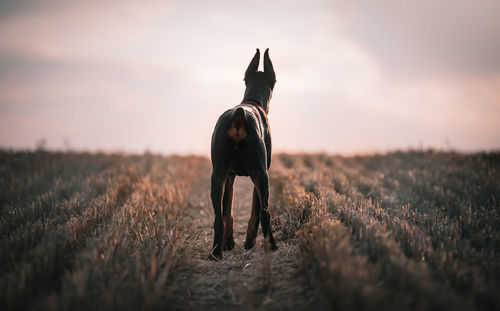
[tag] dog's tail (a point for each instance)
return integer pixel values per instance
(237, 130)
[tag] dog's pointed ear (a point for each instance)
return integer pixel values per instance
(268, 68)
(254, 64)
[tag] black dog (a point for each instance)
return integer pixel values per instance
(241, 146)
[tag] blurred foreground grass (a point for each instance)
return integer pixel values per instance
(405, 230)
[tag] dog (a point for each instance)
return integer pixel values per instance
(241, 146)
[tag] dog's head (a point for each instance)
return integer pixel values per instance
(260, 85)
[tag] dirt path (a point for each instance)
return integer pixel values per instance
(243, 280)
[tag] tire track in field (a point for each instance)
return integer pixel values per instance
(244, 279)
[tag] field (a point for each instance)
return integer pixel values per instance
(413, 230)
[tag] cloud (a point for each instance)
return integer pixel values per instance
(94, 105)
(427, 37)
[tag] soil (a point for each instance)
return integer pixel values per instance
(243, 279)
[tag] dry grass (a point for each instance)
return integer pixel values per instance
(406, 230)
(414, 230)
(84, 231)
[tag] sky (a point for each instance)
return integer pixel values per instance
(352, 76)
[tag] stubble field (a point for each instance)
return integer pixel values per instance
(414, 230)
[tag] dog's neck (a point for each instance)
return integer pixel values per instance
(254, 103)
(261, 99)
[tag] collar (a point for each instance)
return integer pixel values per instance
(253, 103)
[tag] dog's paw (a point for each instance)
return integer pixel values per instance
(270, 246)
(229, 245)
(249, 244)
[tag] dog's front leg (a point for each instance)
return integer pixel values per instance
(227, 206)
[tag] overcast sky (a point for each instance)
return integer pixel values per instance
(353, 76)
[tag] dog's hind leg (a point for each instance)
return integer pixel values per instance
(261, 181)
(217, 190)
(227, 205)
(253, 223)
